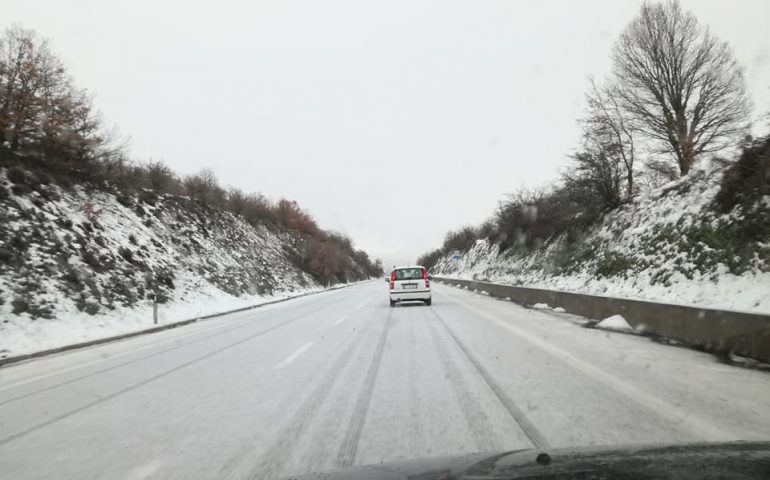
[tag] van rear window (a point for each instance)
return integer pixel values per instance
(409, 274)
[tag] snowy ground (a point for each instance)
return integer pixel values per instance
(20, 335)
(340, 378)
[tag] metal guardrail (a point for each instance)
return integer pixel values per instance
(721, 331)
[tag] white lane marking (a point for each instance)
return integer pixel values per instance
(294, 355)
(667, 410)
(342, 319)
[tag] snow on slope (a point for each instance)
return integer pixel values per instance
(76, 266)
(669, 245)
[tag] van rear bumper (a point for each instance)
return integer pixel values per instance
(401, 296)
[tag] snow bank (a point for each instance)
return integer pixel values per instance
(21, 336)
(615, 322)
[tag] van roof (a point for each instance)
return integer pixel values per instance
(413, 266)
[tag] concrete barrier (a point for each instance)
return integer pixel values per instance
(722, 331)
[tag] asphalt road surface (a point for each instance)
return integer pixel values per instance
(340, 378)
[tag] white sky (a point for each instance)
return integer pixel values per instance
(390, 121)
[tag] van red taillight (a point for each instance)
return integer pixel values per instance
(425, 277)
(392, 279)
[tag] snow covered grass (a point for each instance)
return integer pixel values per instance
(669, 245)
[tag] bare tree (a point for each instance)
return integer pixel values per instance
(22, 55)
(161, 178)
(680, 82)
(596, 173)
(204, 186)
(610, 126)
(41, 112)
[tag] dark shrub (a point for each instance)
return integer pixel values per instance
(5, 255)
(747, 180)
(20, 305)
(90, 259)
(43, 178)
(91, 308)
(71, 277)
(64, 223)
(16, 176)
(127, 254)
(19, 243)
(149, 197)
(124, 200)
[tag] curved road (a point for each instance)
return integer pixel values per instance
(339, 378)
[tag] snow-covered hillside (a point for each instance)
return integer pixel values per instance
(76, 265)
(670, 245)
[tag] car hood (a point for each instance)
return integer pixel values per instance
(733, 460)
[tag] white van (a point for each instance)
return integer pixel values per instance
(409, 284)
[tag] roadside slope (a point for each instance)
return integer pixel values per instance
(673, 244)
(78, 263)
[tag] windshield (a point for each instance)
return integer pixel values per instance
(287, 237)
(409, 274)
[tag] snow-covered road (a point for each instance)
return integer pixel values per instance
(339, 378)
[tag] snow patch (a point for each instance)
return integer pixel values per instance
(615, 322)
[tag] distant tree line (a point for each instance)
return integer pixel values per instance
(49, 125)
(675, 94)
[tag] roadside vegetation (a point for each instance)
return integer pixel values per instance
(673, 108)
(54, 146)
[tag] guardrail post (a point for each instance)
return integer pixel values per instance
(155, 306)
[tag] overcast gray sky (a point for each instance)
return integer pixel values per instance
(390, 121)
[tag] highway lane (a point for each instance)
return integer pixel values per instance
(340, 379)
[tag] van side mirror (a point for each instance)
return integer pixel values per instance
(387, 279)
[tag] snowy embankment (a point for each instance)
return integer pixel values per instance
(77, 265)
(19, 335)
(669, 245)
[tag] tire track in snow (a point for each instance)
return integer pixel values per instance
(415, 396)
(346, 455)
(67, 414)
(529, 429)
(241, 323)
(270, 464)
(477, 420)
(704, 429)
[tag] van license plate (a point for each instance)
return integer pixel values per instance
(410, 285)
